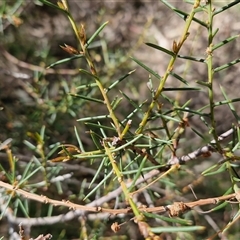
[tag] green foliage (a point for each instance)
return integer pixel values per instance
(124, 155)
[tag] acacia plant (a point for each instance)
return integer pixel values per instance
(139, 175)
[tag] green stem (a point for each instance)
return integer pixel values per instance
(119, 175)
(209, 62)
(80, 34)
(176, 49)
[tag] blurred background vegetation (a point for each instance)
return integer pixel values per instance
(39, 107)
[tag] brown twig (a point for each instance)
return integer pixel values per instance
(174, 209)
(42, 237)
(32, 67)
(205, 150)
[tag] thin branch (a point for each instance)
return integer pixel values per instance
(174, 209)
(200, 151)
(32, 67)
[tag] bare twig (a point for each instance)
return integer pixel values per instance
(174, 209)
(200, 151)
(42, 237)
(32, 67)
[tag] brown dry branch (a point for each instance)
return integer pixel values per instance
(71, 214)
(175, 209)
(203, 151)
(32, 67)
(4, 144)
(24, 237)
(21, 232)
(42, 237)
(69, 167)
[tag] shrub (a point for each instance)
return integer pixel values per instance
(132, 162)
